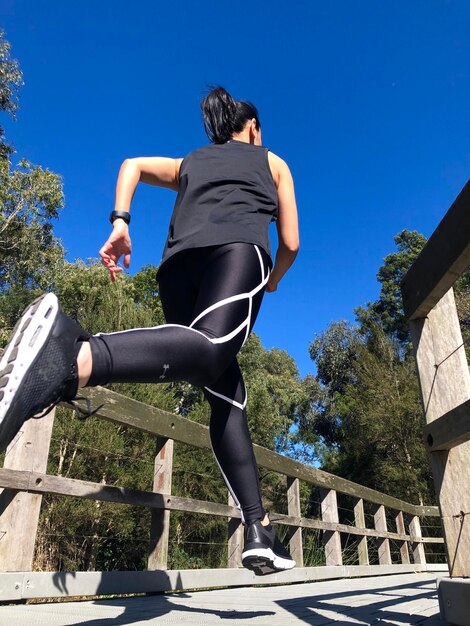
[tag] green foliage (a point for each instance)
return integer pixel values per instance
(370, 415)
(179, 558)
(382, 423)
(77, 533)
(145, 292)
(388, 310)
(11, 80)
(462, 301)
(30, 197)
(197, 541)
(275, 393)
(280, 403)
(335, 351)
(96, 303)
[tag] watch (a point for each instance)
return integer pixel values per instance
(124, 215)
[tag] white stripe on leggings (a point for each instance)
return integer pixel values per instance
(233, 402)
(229, 487)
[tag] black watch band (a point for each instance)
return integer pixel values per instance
(124, 215)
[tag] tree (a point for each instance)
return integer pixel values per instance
(370, 415)
(11, 80)
(334, 352)
(382, 422)
(373, 422)
(388, 309)
(30, 198)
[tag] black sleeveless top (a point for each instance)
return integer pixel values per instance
(226, 194)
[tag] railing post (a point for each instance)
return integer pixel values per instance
(360, 522)
(445, 384)
(160, 518)
(19, 510)
(235, 538)
(331, 538)
(293, 508)
(400, 522)
(419, 556)
(383, 544)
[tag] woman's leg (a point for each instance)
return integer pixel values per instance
(231, 442)
(201, 294)
(210, 299)
(223, 288)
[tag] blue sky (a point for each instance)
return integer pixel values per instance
(367, 101)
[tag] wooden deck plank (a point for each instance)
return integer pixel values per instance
(406, 599)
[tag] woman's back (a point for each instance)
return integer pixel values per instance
(226, 194)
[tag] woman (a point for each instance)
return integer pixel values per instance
(216, 266)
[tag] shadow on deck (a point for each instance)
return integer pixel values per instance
(396, 599)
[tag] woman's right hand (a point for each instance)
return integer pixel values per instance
(271, 285)
(118, 244)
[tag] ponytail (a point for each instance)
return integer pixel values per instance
(223, 116)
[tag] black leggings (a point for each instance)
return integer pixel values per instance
(211, 297)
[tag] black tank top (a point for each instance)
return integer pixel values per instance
(226, 194)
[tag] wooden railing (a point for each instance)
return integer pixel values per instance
(445, 386)
(24, 480)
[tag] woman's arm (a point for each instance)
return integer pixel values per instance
(287, 221)
(160, 171)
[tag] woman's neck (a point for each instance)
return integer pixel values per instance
(244, 136)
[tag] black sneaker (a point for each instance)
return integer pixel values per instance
(263, 552)
(38, 368)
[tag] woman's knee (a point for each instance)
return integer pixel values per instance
(212, 364)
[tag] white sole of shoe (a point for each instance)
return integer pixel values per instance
(265, 561)
(29, 336)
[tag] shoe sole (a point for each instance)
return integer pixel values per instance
(264, 561)
(29, 336)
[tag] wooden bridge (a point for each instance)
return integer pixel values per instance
(392, 577)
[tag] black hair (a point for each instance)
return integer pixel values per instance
(223, 116)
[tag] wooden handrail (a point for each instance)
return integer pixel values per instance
(444, 258)
(33, 482)
(123, 410)
(30, 451)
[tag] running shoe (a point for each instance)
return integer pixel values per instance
(263, 552)
(38, 368)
